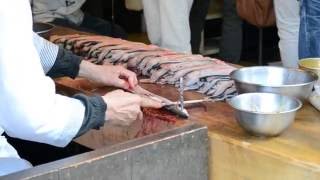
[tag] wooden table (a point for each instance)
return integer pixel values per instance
(295, 154)
(234, 154)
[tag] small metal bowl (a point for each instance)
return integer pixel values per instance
(265, 114)
(43, 29)
(291, 82)
(310, 64)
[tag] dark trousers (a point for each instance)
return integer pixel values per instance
(231, 40)
(197, 20)
(94, 25)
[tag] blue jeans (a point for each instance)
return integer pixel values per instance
(309, 38)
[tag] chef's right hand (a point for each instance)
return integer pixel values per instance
(123, 108)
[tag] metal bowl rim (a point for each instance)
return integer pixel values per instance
(51, 26)
(284, 85)
(309, 59)
(266, 113)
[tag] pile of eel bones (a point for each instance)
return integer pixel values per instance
(206, 75)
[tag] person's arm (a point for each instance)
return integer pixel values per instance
(95, 111)
(59, 62)
(30, 109)
(66, 64)
(47, 52)
(56, 61)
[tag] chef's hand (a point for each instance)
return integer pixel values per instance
(108, 75)
(123, 108)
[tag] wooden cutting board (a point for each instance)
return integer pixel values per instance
(234, 154)
(110, 134)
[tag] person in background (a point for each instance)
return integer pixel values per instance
(68, 13)
(31, 110)
(197, 19)
(309, 39)
(168, 23)
(288, 23)
(231, 38)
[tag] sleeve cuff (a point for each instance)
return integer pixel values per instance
(66, 64)
(94, 114)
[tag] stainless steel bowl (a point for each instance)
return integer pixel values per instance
(43, 29)
(285, 81)
(265, 114)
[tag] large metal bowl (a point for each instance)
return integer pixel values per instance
(43, 29)
(310, 64)
(265, 114)
(285, 81)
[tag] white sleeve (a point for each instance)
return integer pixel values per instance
(47, 52)
(30, 109)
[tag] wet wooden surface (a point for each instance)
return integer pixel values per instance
(295, 154)
(111, 134)
(234, 153)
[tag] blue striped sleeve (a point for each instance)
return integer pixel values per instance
(47, 51)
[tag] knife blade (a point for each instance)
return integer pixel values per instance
(189, 102)
(181, 98)
(173, 108)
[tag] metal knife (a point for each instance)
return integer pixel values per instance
(189, 102)
(173, 108)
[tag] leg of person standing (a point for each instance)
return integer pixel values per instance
(175, 28)
(309, 42)
(197, 19)
(231, 40)
(151, 12)
(103, 27)
(288, 22)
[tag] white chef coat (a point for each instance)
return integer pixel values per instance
(48, 10)
(168, 23)
(29, 107)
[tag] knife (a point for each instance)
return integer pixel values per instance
(181, 90)
(173, 108)
(196, 101)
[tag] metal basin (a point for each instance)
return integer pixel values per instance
(310, 64)
(265, 114)
(285, 81)
(43, 29)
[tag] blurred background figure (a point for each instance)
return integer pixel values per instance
(68, 13)
(288, 22)
(197, 19)
(167, 23)
(231, 39)
(309, 41)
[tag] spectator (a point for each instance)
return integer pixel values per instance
(68, 13)
(309, 41)
(168, 23)
(231, 40)
(288, 22)
(197, 18)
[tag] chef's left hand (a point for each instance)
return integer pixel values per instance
(108, 75)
